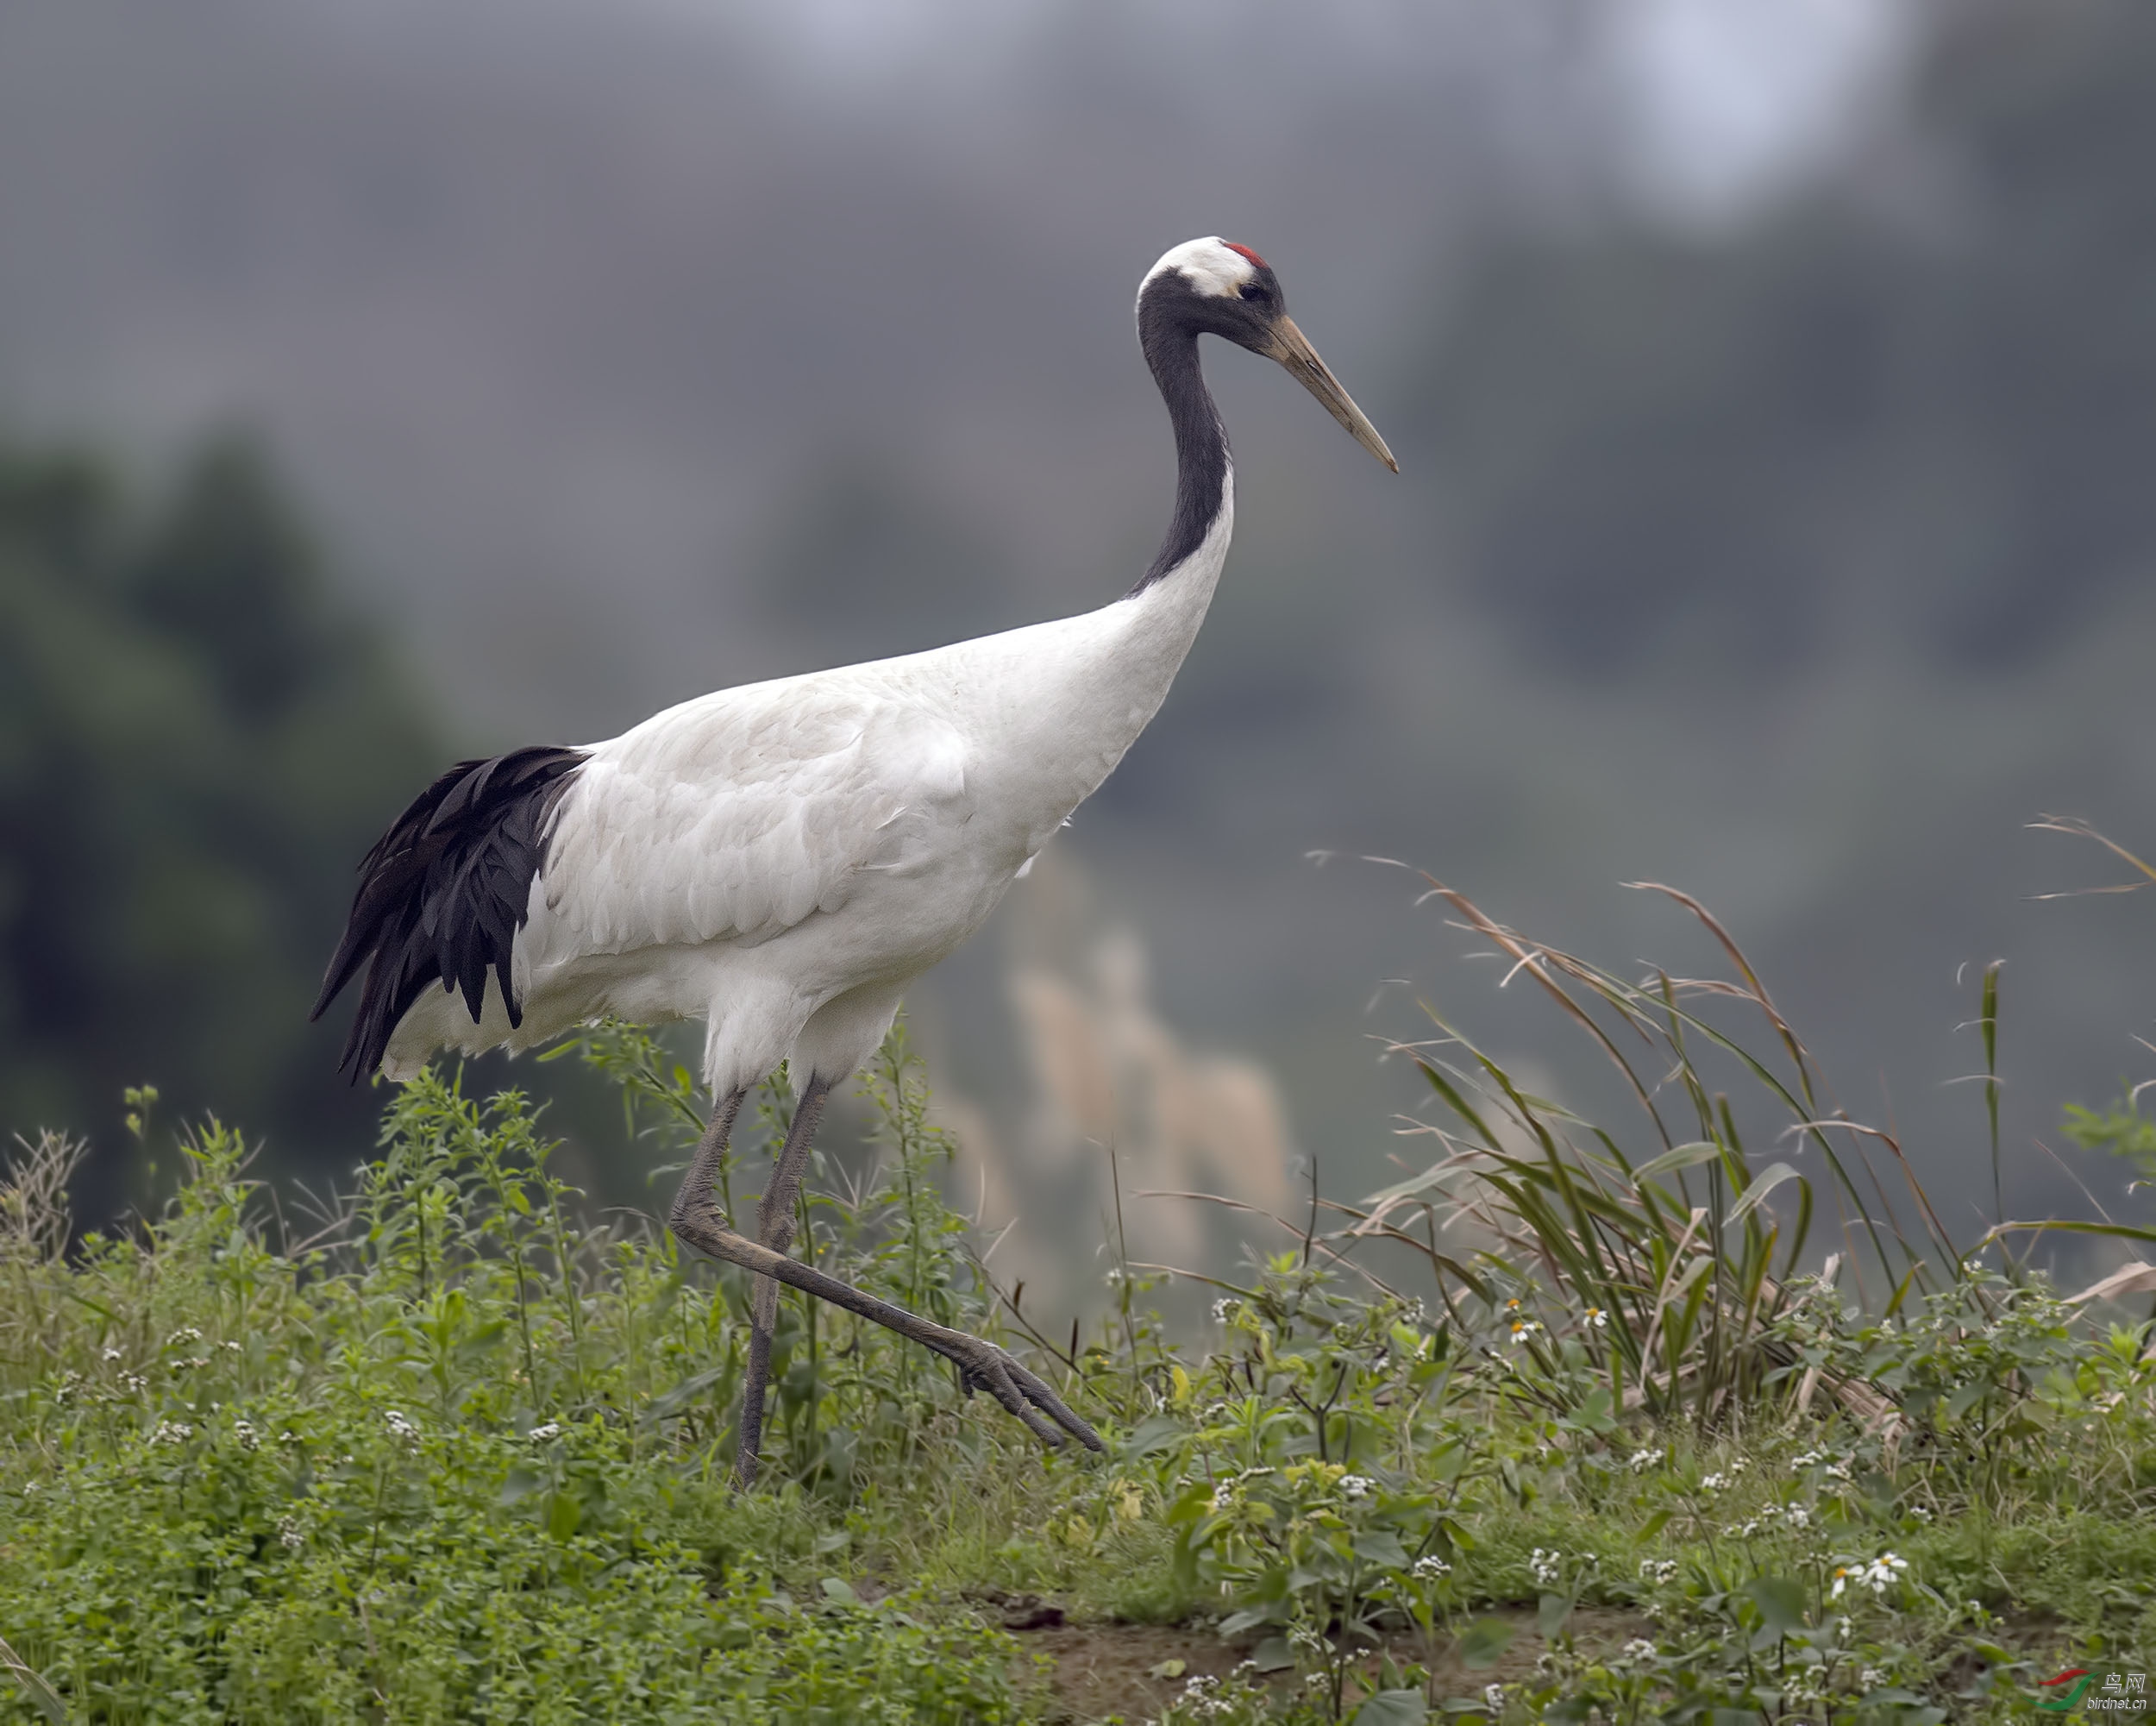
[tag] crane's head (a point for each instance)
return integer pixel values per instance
(1214, 286)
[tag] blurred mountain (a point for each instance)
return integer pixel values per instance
(1771, 382)
(554, 308)
(1922, 409)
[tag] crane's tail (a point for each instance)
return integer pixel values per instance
(444, 891)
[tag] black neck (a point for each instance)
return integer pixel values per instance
(1170, 345)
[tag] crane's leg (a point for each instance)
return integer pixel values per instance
(775, 1228)
(696, 1219)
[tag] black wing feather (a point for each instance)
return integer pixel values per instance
(444, 891)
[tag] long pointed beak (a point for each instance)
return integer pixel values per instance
(1292, 349)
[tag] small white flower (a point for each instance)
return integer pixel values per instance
(545, 1434)
(399, 1428)
(1880, 1574)
(1596, 1318)
(1872, 1678)
(1642, 1460)
(1739, 1465)
(1836, 1470)
(1713, 1483)
(1638, 1649)
(288, 1532)
(1661, 1571)
(1223, 1307)
(186, 1334)
(133, 1381)
(1316, 1680)
(1430, 1569)
(172, 1432)
(1493, 1695)
(1546, 1566)
(288, 1436)
(1807, 1459)
(1115, 1279)
(1357, 1485)
(1525, 1330)
(231, 1347)
(244, 1434)
(1223, 1494)
(114, 1354)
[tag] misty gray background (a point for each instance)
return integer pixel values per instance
(1773, 383)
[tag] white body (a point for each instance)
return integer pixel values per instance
(782, 859)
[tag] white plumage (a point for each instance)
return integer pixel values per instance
(754, 855)
(782, 860)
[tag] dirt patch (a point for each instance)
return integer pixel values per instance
(1106, 1669)
(1101, 1671)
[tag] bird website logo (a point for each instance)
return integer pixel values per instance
(2119, 1692)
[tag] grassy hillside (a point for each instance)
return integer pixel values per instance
(1561, 1429)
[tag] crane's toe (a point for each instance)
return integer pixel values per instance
(983, 1366)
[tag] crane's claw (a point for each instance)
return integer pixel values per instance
(983, 1366)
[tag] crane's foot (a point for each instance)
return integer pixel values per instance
(981, 1365)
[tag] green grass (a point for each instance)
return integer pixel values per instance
(450, 1451)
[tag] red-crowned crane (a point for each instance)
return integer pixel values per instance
(782, 859)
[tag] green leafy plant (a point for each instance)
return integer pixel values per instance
(452, 1449)
(442, 1457)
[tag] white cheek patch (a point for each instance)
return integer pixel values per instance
(1210, 266)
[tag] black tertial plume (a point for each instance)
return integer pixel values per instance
(445, 890)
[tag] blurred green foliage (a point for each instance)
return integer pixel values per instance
(196, 744)
(2121, 1129)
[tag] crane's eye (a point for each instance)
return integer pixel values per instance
(1253, 291)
